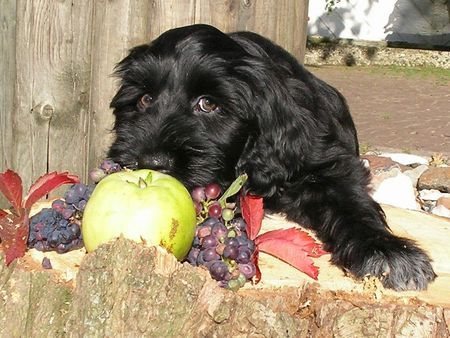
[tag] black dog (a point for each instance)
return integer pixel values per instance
(205, 106)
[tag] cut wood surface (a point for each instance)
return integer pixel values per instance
(432, 233)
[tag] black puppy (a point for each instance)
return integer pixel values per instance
(205, 106)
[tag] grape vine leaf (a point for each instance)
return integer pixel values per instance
(14, 225)
(293, 246)
(253, 213)
(47, 183)
(11, 188)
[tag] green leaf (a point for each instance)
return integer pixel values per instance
(233, 189)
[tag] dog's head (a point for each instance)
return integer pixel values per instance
(193, 103)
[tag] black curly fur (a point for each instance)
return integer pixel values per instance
(288, 130)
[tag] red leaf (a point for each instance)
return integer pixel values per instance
(253, 213)
(14, 235)
(292, 246)
(47, 183)
(255, 260)
(11, 187)
(298, 237)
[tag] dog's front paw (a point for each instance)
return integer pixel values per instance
(397, 262)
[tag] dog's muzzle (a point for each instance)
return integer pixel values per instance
(158, 161)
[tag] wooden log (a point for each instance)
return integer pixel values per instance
(432, 233)
(128, 289)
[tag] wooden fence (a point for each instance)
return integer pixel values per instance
(57, 57)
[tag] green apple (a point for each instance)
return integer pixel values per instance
(143, 205)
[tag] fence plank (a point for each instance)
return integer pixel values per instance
(52, 48)
(283, 21)
(113, 35)
(7, 76)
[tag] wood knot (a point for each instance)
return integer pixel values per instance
(46, 111)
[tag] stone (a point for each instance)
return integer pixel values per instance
(415, 173)
(430, 194)
(378, 164)
(440, 210)
(444, 200)
(435, 178)
(397, 191)
(405, 159)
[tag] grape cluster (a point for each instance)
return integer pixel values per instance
(106, 167)
(221, 243)
(58, 228)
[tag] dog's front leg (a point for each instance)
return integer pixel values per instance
(337, 205)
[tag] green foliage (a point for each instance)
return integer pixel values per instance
(329, 6)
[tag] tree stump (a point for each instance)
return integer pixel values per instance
(129, 289)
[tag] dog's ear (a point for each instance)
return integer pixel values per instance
(131, 72)
(282, 127)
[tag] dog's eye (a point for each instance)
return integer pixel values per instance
(205, 105)
(145, 101)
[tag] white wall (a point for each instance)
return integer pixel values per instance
(414, 21)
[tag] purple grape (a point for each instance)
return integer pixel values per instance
(68, 212)
(198, 194)
(244, 255)
(196, 242)
(46, 263)
(58, 205)
(215, 210)
(192, 256)
(79, 189)
(39, 246)
(39, 226)
(38, 236)
(81, 205)
(200, 260)
(210, 221)
(239, 224)
(212, 191)
(107, 165)
(218, 270)
(74, 229)
(97, 174)
(115, 168)
(219, 230)
(203, 231)
(248, 270)
(72, 196)
(230, 252)
(209, 242)
(210, 255)
(62, 248)
(232, 241)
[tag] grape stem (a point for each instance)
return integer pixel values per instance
(233, 189)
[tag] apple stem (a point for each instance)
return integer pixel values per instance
(142, 183)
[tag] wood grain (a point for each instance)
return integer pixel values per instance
(432, 233)
(53, 67)
(7, 78)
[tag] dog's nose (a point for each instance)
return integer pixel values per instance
(159, 161)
